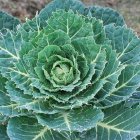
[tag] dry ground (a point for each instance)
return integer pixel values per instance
(130, 9)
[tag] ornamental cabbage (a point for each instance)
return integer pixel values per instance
(70, 73)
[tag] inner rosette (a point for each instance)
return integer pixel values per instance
(59, 68)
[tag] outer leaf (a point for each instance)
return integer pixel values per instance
(75, 5)
(107, 15)
(24, 128)
(3, 134)
(76, 26)
(7, 107)
(9, 46)
(21, 128)
(21, 76)
(120, 123)
(7, 22)
(129, 81)
(125, 42)
(110, 73)
(73, 24)
(10, 109)
(40, 20)
(74, 120)
(26, 101)
(134, 99)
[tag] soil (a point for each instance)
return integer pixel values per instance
(23, 9)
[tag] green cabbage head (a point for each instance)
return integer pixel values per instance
(70, 73)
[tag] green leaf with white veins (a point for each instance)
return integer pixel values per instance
(10, 44)
(107, 15)
(45, 13)
(129, 82)
(134, 99)
(26, 101)
(76, 26)
(7, 107)
(7, 22)
(24, 128)
(74, 5)
(75, 120)
(125, 42)
(120, 123)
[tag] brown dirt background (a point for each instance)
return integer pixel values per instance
(130, 9)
